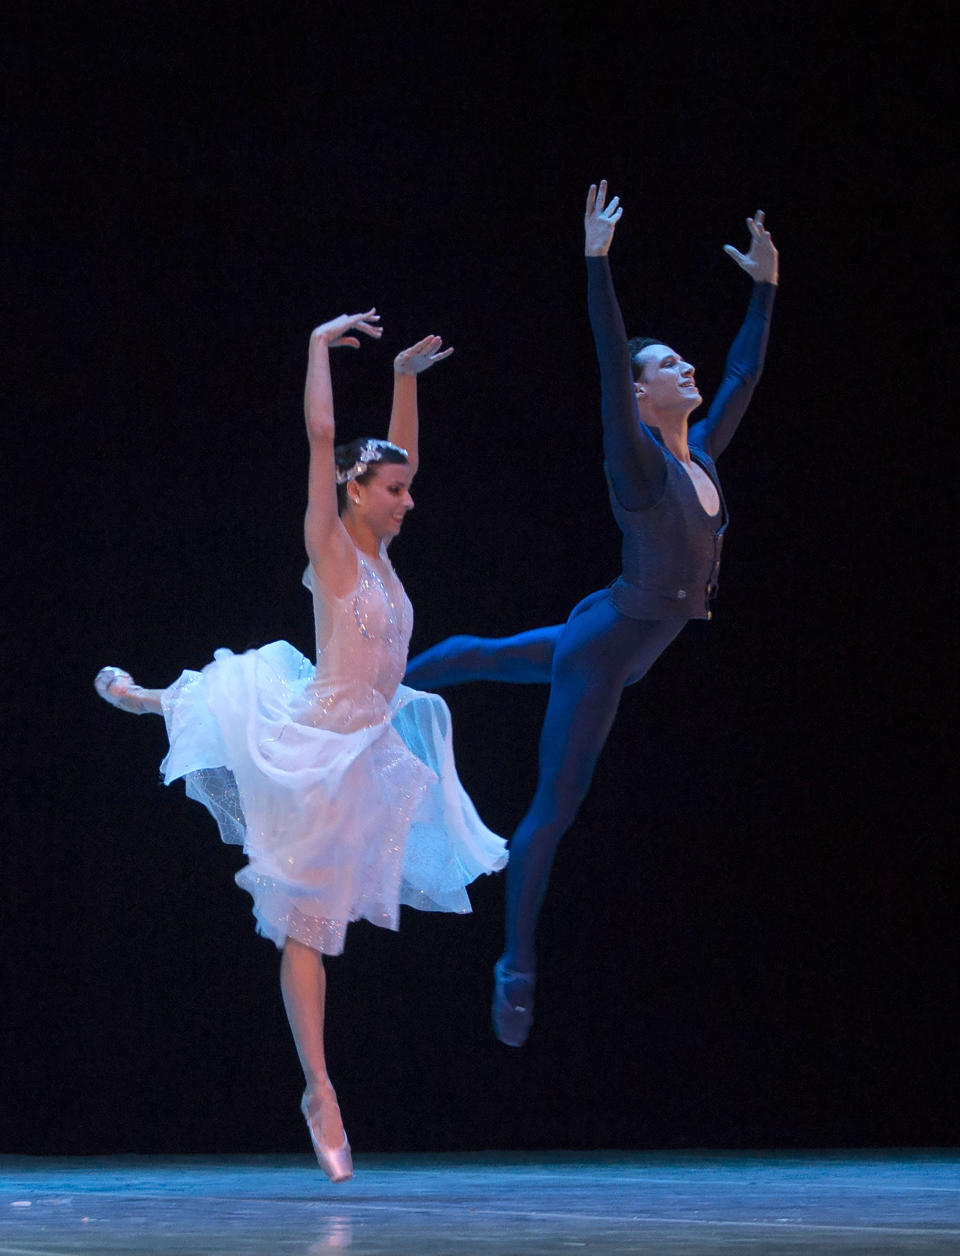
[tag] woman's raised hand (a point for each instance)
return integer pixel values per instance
(421, 356)
(335, 332)
(762, 261)
(600, 220)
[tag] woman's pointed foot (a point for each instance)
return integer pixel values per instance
(329, 1138)
(117, 687)
(512, 1004)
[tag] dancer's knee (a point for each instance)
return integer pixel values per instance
(448, 662)
(555, 809)
(469, 656)
(523, 659)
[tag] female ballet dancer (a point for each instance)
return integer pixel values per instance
(666, 499)
(338, 781)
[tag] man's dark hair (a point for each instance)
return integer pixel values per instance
(636, 347)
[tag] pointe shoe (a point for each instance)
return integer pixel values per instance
(336, 1162)
(117, 687)
(512, 1017)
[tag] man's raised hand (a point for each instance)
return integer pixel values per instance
(600, 220)
(761, 262)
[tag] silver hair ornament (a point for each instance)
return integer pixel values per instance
(371, 451)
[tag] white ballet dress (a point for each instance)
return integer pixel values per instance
(338, 781)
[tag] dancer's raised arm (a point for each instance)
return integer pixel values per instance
(634, 459)
(745, 360)
(404, 419)
(323, 533)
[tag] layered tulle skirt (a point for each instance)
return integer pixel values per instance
(347, 806)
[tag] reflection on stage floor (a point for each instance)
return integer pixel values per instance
(852, 1204)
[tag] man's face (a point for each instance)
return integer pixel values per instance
(667, 381)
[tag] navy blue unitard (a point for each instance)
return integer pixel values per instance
(670, 562)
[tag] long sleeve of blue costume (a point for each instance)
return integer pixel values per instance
(633, 455)
(741, 373)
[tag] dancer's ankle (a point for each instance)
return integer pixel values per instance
(519, 963)
(322, 1093)
(118, 688)
(322, 1110)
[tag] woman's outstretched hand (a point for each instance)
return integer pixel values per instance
(600, 220)
(761, 262)
(334, 332)
(421, 356)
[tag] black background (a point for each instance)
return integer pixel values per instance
(751, 932)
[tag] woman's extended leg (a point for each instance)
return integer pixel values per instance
(303, 981)
(117, 687)
(598, 653)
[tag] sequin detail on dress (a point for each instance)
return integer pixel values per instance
(338, 781)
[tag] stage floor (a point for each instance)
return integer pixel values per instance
(665, 1203)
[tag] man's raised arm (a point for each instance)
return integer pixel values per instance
(745, 359)
(634, 460)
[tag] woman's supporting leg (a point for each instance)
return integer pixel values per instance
(598, 653)
(303, 982)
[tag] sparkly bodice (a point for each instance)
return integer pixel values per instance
(362, 641)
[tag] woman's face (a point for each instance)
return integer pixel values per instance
(383, 501)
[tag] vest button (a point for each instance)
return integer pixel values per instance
(681, 593)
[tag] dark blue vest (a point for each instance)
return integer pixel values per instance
(671, 551)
